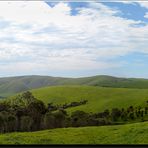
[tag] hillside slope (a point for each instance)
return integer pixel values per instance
(99, 98)
(12, 85)
(120, 134)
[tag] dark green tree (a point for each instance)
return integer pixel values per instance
(36, 110)
(146, 110)
(79, 118)
(115, 114)
(60, 118)
(49, 120)
(26, 123)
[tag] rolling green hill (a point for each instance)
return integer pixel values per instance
(12, 85)
(99, 98)
(120, 134)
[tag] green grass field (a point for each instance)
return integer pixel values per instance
(99, 98)
(136, 133)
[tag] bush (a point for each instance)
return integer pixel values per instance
(2, 122)
(49, 120)
(60, 118)
(26, 123)
(79, 118)
(115, 114)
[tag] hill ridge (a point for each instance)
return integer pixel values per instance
(16, 84)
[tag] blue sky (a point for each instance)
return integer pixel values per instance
(74, 39)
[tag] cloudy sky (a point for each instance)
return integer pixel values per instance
(74, 39)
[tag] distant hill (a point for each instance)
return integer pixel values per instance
(12, 85)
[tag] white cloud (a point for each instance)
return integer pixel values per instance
(40, 37)
(146, 15)
(143, 3)
(128, 2)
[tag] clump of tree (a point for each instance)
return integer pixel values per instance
(73, 104)
(52, 107)
(27, 113)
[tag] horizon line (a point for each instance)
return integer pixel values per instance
(28, 75)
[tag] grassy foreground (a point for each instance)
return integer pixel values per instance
(136, 133)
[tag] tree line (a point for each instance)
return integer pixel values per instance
(52, 107)
(26, 113)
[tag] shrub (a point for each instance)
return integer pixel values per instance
(26, 123)
(79, 118)
(60, 118)
(49, 120)
(115, 114)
